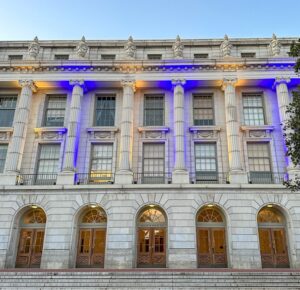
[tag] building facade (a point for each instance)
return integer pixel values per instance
(159, 153)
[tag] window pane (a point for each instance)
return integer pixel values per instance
(3, 152)
(154, 110)
(253, 109)
(48, 159)
(205, 157)
(102, 155)
(105, 111)
(203, 110)
(7, 110)
(55, 111)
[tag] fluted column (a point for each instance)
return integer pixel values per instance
(283, 100)
(236, 172)
(73, 126)
(180, 173)
(16, 146)
(124, 174)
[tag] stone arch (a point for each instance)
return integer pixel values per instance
(151, 236)
(89, 237)
(273, 236)
(211, 237)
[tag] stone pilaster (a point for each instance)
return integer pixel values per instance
(283, 100)
(70, 154)
(124, 175)
(180, 173)
(236, 172)
(16, 146)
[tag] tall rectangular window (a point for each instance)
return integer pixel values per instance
(154, 110)
(105, 110)
(55, 111)
(203, 110)
(259, 162)
(153, 163)
(101, 163)
(3, 152)
(48, 163)
(7, 110)
(253, 109)
(206, 163)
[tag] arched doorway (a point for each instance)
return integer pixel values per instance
(152, 238)
(92, 236)
(31, 239)
(272, 238)
(211, 238)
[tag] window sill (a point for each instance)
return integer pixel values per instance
(102, 129)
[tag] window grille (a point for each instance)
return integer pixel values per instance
(55, 111)
(248, 54)
(253, 109)
(108, 56)
(206, 163)
(153, 163)
(61, 57)
(3, 152)
(7, 110)
(203, 110)
(259, 162)
(101, 163)
(105, 110)
(154, 56)
(154, 110)
(15, 57)
(200, 55)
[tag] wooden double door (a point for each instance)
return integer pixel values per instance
(30, 248)
(151, 248)
(273, 248)
(91, 248)
(211, 244)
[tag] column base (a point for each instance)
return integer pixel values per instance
(124, 177)
(65, 178)
(180, 176)
(10, 178)
(237, 177)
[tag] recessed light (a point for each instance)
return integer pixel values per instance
(269, 205)
(152, 205)
(34, 206)
(93, 205)
(210, 205)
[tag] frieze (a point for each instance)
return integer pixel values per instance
(152, 132)
(205, 132)
(263, 131)
(100, 133)
(5, 134)
(50, 133)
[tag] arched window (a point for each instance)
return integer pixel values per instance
(151, 236)
(272, 238)
(31, 239)
(92, 238)
(211, 238)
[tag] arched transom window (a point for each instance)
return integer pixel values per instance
(34, 217)
(270, 216)
(152, 216)
(210, 216)
(94, 216)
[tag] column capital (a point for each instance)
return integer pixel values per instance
(128, 83)
(28, 83)
(228, 81)
(281, 80)
(79, 83)
(178, 82)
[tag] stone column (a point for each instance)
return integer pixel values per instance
(70, 155)
(283, 100)
(124, 175)
(16, 146)
(180, 173)
(236, 171)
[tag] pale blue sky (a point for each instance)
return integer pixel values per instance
(147, 19)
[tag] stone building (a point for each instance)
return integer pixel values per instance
(146, 153)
